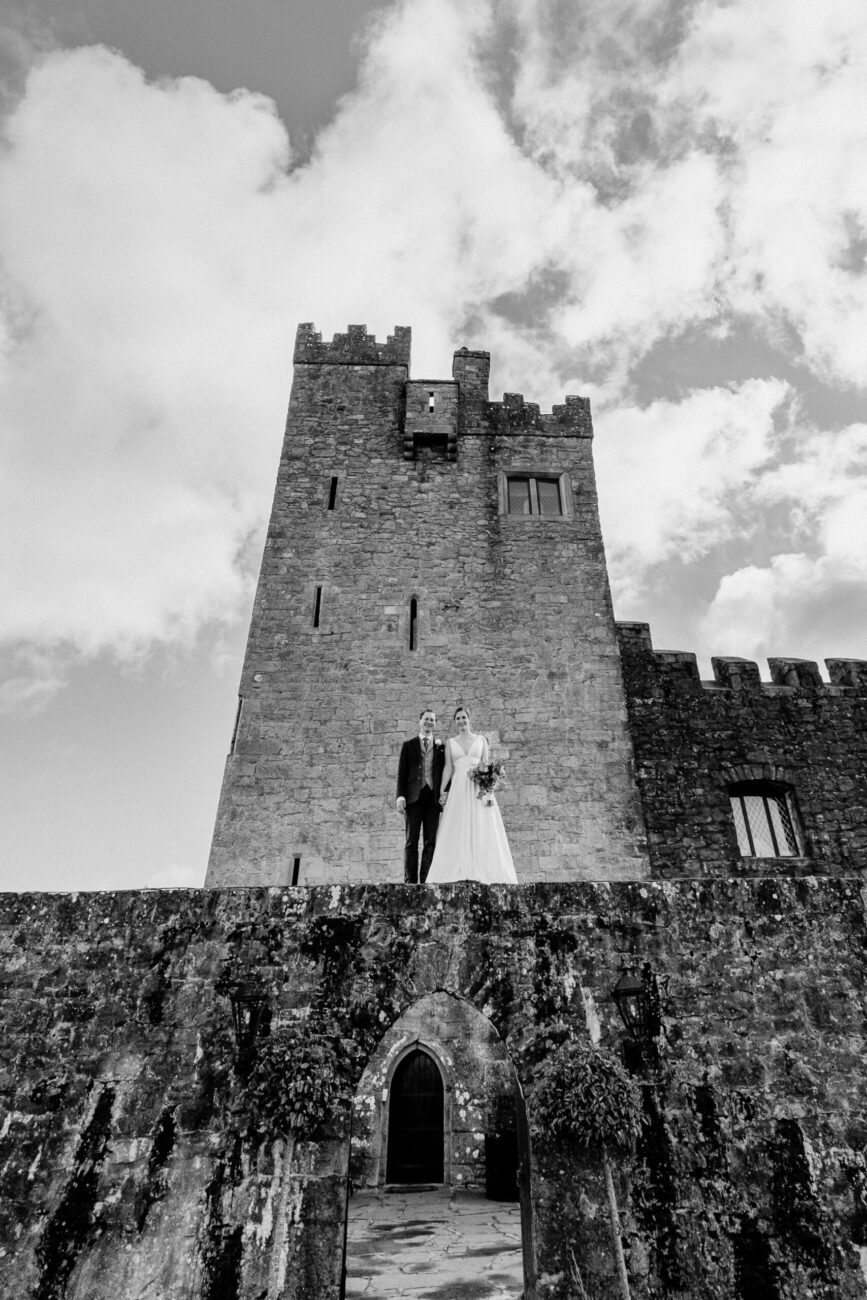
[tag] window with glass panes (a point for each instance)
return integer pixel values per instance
(766, 821)
(530, 494)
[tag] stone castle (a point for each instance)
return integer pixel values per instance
(656, 1039)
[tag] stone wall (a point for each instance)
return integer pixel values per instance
(694, 739)
(381, 502)
(130, 1164)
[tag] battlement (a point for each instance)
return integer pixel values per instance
(652, 670)
(514, 415)
(471, 370)
(354, 348)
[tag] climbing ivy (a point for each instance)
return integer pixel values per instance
(297, 1082)
(299, 1074)
(360, 986)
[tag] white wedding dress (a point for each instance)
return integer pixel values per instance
(471, 840)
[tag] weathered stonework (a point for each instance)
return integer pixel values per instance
(693, 739)
(513, 619)
(148, 1151)
(127, 1169)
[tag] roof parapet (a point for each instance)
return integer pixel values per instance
(649, 671)
(354, 348)
(514, 415)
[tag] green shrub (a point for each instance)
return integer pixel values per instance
(583, 1096)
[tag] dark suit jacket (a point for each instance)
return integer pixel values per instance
(410, 769)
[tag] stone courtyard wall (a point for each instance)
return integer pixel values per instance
(129, 1166)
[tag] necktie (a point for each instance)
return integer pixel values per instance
(425, 744)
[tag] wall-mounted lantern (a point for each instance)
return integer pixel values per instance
(633, 999)
(249, 1001)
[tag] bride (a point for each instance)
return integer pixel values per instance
(471, 842)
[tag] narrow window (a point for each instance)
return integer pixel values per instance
(237, 724)
(766, 820)
(317, 606)
(332, 495)
(413, 624)
(431, 402)
(296, 869)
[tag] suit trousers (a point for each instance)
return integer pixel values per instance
(422, 818)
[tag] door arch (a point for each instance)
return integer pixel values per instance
(416, 1121)
(471, 1057)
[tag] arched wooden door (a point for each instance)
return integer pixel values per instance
(415, 1121)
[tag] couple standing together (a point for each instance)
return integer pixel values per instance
(470, 843)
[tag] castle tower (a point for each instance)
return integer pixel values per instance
(426, 547)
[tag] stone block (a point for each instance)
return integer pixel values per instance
(736, 674)
(800, 673)
(848, 672)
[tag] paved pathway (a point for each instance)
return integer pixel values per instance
(433, 1245)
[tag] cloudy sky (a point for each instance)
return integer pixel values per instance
(661, 204)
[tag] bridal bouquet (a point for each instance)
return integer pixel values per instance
(488, 777)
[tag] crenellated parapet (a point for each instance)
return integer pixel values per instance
(515, 416)
(720, 761)
(668, 670)
(354, 348)
(574, 412)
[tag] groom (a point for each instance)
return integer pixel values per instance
(419, 774)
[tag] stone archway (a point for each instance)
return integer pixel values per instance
(479, 1089)
(484, 1135)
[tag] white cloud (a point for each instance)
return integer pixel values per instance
(810, 602)
(658, 165)
(143, 349)
(823, 469)
(422, 204)
(645, 268)
(802, 605)
(675, 478)
(29, 694)
(157, 254)
(735, 134)
(798, 191)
